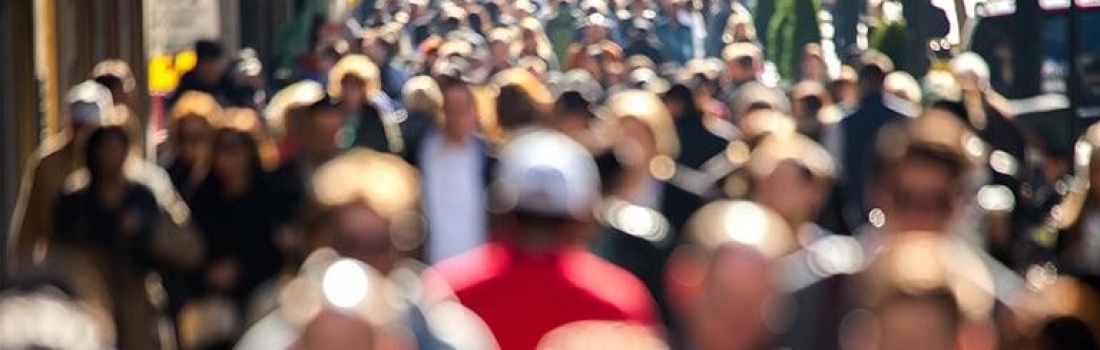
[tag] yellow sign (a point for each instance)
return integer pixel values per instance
(165, 70)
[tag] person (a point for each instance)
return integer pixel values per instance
(813, 64)
(675, 29)
(354, 84)
(876, 109)
(522, 101)
(702, 163)
(381, 46)
(539, 276)
(744, 62)
(501, 42)
(116, 76)
(719, 18)
(231, 208)
(561, 27)
(642, 42)
(106, 235)
(208, 75)
(194, 117)
(455, 166)
(32, 221)
(720, 280)
(904, 86)
(286, 113)
(423, 109)
(360, 226)
(533, 42)
(793, 176)
(247, 82)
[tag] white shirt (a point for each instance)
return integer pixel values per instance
(454, 196)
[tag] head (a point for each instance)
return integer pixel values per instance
(89, 104)
(380, 45)
(740, 29)
(792, 175)
(322, 125)
(212, 61)
(106, 153)
(646, 130)
(116, 76)
(845, 88)
(353, 80)
(719, 283)
(501, 41)
(460, 116)
(522, 100)
(367, 201)
(237, 146)
(595, 28)
(926, 320)
(813, 65)
(921, 170)
(193, 119)
(549, 185)
(681, 103)
(421, 94)
(872, 73)
(904, 86)
(809, 98)
(743, 62)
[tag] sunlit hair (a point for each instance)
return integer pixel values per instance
(542, 43)
(745, 223)
(422, 94)
(936, 136)
(739, 19)
(359, 67)
(117, 69)
(194, 104)
(247, 121)
(288, 104)
(385, 183)
(904, 86)
(521, 100)
(777, 149)
(647, 107)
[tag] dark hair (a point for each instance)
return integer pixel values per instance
(98, 138)
(213, 185)
(206, 50)
(1067, 333)
(682, 93)
(745, 62)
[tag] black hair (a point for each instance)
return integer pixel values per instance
(206, 50)
(1067, 333)
(96, 141)
(682, 93)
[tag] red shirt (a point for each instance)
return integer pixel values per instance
(521, 296)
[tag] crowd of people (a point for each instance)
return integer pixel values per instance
(574, 175)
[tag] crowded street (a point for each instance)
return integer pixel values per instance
(550, 174)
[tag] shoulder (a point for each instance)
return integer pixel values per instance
(471, 269)
(613, 285)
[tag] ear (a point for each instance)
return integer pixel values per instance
(686, 271)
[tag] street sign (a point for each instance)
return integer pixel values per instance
(174, 25)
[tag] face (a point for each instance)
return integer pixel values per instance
(110, 156)
(353, 91)
(363, 235)
(790, 191)
(813, 68)
(738, 74)
(501, 51)
(377, 51)
(734, 301)
(922, 197)
(913, 325)
(595, 33)
(321, 136)
(194, 139)
(530, 43)
(231, 155)
(460, 113)
(212, 72)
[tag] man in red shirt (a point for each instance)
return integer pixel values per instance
(540, 276)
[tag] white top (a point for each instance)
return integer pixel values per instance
(454, 196)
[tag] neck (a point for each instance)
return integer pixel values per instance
(236, 186)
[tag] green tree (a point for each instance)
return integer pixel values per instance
(793, 25)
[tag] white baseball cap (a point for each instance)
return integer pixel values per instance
(547, 173)
(89, 102)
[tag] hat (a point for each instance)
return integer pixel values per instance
(581, 82)
(722, 223)
(595, 19)
(547, 173)
(89, 102)
(792, 147)
(647, 79)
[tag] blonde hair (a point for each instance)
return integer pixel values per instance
(384, 182)
(422, 94)
(647, 107)
(247, 121)
(358, 66)
(194, 104)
